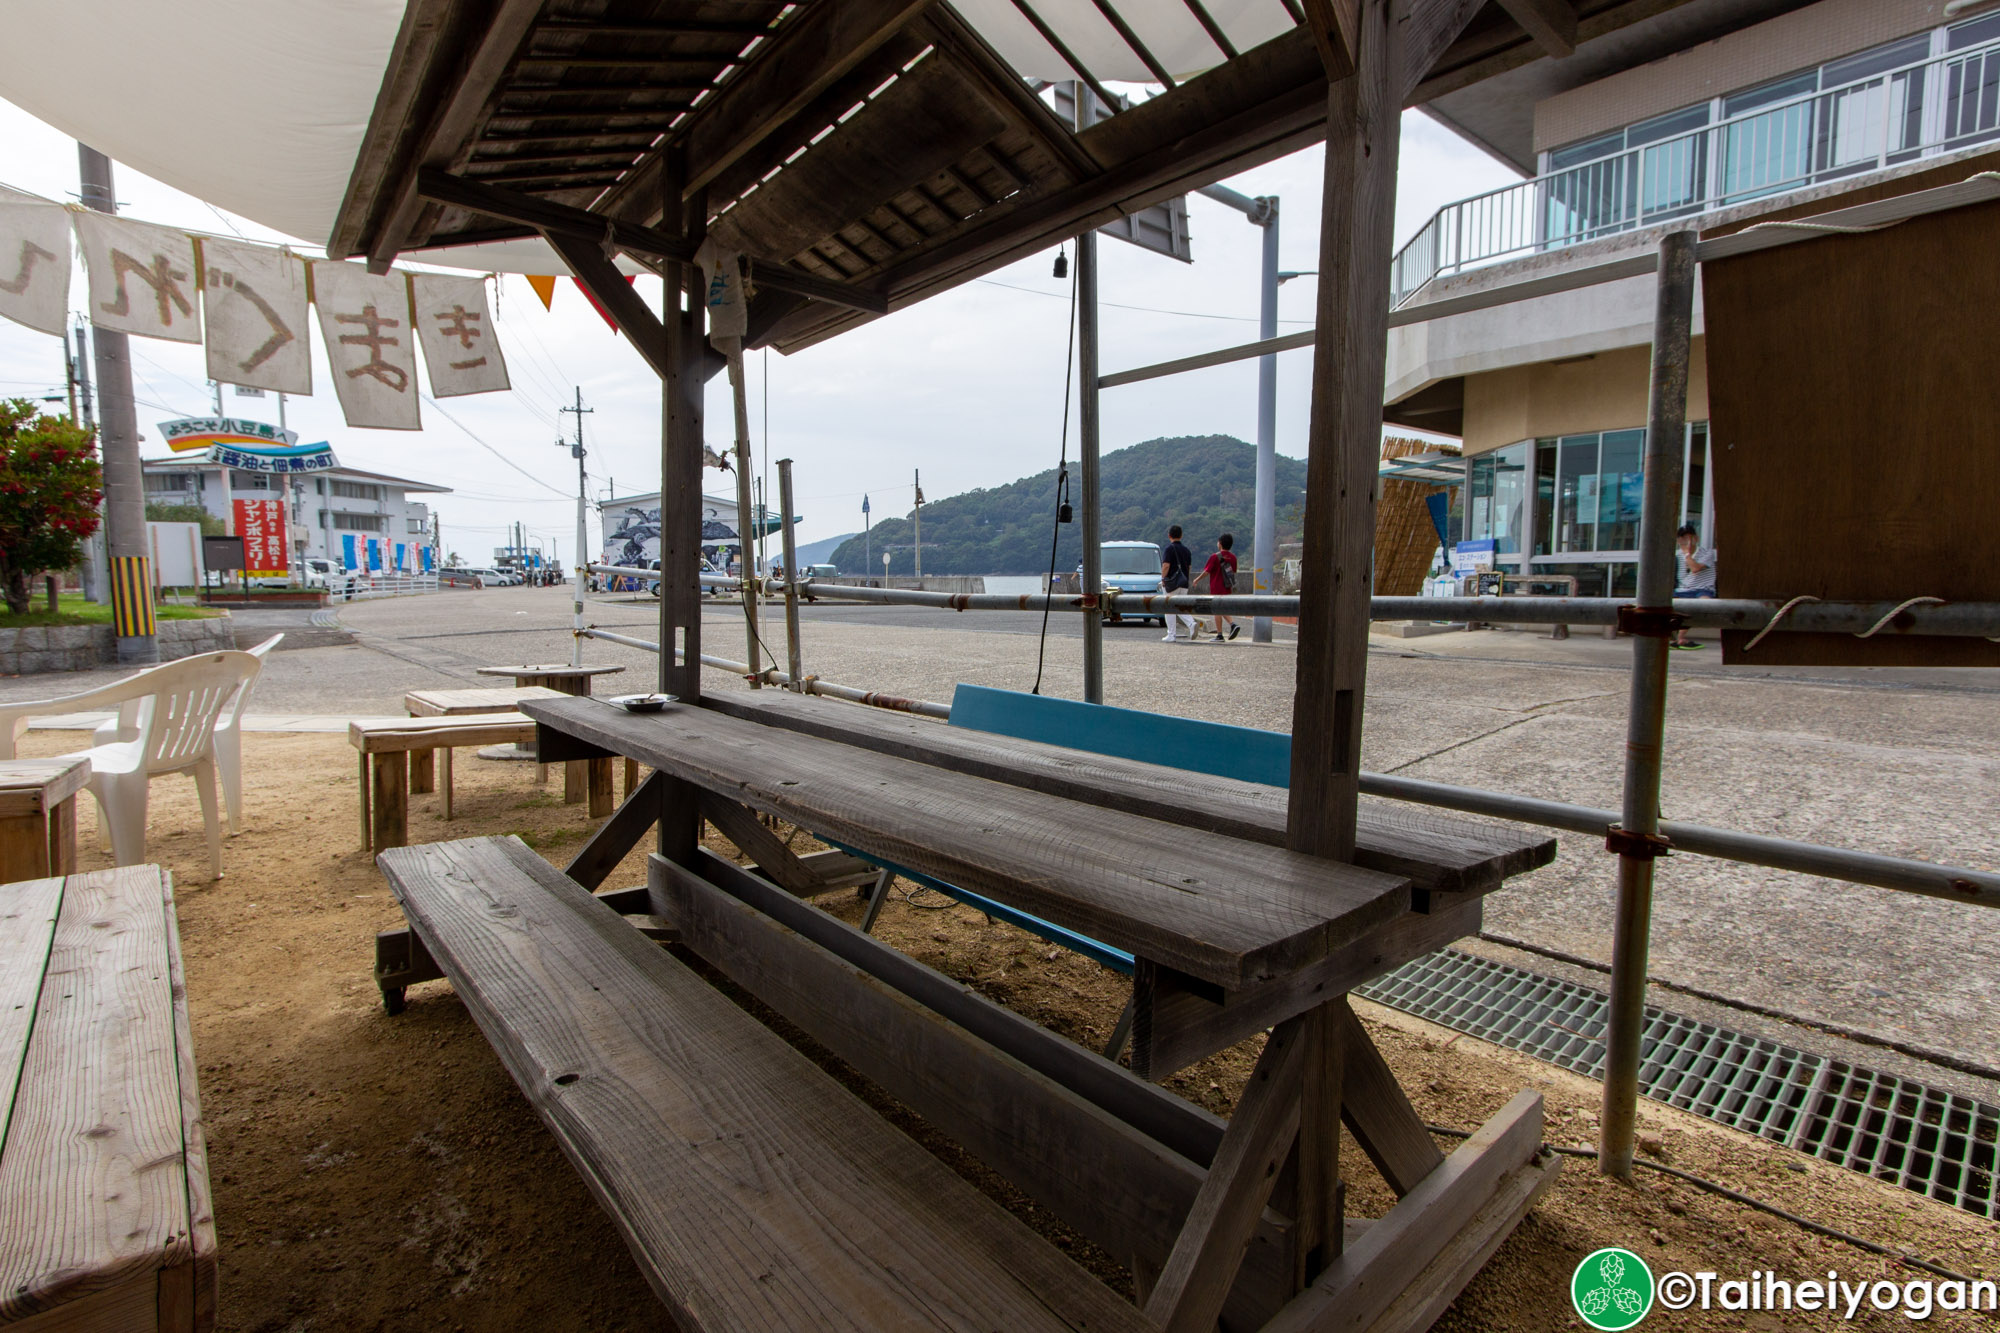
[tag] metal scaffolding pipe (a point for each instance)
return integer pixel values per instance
(895, 703)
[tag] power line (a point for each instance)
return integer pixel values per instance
(475, 438)
(1144, 309)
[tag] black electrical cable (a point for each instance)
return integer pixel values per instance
(1062, 489)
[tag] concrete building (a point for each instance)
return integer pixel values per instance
(357, 520)
(1802, 105)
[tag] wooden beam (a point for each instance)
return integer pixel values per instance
(1195, 1280)
(1552, 23)
(447, 140)
(1176, 1024)
(1432, 27)
(740, 825)
(1120, 1188)
(601, 278)
(1384, 1123)
(1387, 1257)
(594, 228)
(1364, 117)
(1333, 24)
(681, 447)
(402, 103)
(614, 841)
(1319, 1198)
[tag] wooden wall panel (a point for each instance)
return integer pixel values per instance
(1855, 421)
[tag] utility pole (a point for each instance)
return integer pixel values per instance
(919, 527)
(80, 402)
(582, 502)
(118, 446)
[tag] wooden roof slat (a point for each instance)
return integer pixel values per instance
(666, 28)
(607, 89)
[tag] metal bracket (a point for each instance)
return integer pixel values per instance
(1645, 846)
(1651, 622)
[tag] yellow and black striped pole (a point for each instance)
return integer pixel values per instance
(132, 596)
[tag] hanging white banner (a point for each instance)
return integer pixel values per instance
(253, 311)
(461, 348)
(141, 277)
(34, 262)
(365, 320)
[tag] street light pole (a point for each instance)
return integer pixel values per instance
(582, 537)
(867, 542)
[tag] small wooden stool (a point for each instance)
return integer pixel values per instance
(581, 777)
(38, 816)
(385, 786)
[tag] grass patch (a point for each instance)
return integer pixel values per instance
(552, 838)
(72, 609)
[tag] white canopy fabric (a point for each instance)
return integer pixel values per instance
(260, 106)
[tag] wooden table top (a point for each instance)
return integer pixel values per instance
(1222, 909)
(34, 786)
(1438, 850)
(544, 672)
(455, 703)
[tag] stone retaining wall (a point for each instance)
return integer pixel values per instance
(34, 649)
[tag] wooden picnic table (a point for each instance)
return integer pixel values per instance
(579, 781)
(1231, 934)
(461, 703)
(38, 816)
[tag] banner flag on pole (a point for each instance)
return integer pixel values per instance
(34, 262)
(602, 313)
(141, 277)
(545, 287)
(365, 320)
(254, 316)
(461, 349)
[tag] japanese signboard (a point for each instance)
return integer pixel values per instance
(190, 433)
(254, 316)
(261, 525)
(365, 320)
(461, 350)
(34, 262)
(141, 277)
(305, 458)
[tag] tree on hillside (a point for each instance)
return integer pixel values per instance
(1205, 483)
(158, 511)
(50, 487)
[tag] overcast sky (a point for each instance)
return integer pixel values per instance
(967, 386)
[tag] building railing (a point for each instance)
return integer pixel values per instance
(357, 587)
(1897, 116)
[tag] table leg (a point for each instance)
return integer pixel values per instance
(447, 782)
(392, 802)
(423, 771)
(599, 779)
(1319, 1227)
(24, 848)
(631, 776)
(573, 781)
(62, 838)
(367, 829)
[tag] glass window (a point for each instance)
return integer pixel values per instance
(1545, 496)
(1620, 482)
(1890, 55)
(1604, 145)
(1976, 32)
(1694, 489)
(1498, 496)
(1766, 94)
(1576, 493)
(1667, 126)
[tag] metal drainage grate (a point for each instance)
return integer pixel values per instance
(1936, 1143)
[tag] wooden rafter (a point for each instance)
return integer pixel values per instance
(1552, 23)
(1332, 23)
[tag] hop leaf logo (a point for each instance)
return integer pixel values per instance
(1612, 1289)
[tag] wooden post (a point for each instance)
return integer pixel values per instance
(1345, 445)
(599, 779)
(391, 799)
(423, 771)
(681, 394)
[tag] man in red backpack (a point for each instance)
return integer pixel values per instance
(1221, 574)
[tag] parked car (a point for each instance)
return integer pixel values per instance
(1129, 567)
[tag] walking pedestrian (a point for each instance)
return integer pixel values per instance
(1696, 572)
(1175, 562)
(1221, 574)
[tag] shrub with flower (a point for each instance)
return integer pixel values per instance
(50, 486)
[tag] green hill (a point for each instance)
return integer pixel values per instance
(1205, 483)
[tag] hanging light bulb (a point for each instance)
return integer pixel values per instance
(1062, 265)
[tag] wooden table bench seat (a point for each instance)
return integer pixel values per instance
(385, 744)
(105, 1215)
(462, 703)
(754, 1191)
(38, 816)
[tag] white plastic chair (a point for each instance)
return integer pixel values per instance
(228, 735)
(177, 708)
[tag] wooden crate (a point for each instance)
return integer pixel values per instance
(105, 1218)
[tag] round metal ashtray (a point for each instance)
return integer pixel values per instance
(642, 703)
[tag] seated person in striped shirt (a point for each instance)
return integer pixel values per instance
(1696, 565)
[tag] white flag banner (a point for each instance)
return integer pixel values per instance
(365, 320)
(253, 310)
(461, 348)
(34, 262)
(141, 277)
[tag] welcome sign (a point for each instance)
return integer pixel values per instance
(303, 458)
(190, 433)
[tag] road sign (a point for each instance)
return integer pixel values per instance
(1162, 228)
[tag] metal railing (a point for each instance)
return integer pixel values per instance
(1897, 116)
(362, 587)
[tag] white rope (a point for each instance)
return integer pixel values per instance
(1901, 607)
(1772, 623)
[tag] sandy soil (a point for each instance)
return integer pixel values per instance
(372, 1173)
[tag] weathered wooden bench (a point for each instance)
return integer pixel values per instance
(105, 1219)
(385, 745)
(754, 1191)
(463, 703)
(38, 816)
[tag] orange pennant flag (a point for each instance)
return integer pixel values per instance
(545, 287)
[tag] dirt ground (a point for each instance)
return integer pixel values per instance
(377, 1173)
